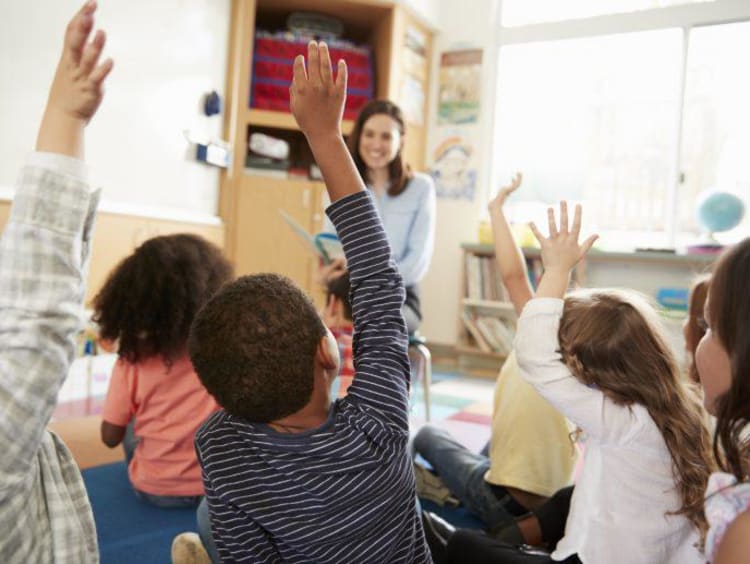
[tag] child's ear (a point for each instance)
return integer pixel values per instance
(328, 352)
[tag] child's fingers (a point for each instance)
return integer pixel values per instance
(100, 73)
(563, 216)
(299, 76)
(588, 243)
(313, 64)
(341, 76)
(326, 74)
(576, 231)
(79, 28)
(551, 221)
(91, 52)
(536, 232)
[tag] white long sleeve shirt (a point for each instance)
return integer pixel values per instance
(626, 487)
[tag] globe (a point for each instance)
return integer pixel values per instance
(719, 211)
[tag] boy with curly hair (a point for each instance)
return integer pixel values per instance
(290, 475)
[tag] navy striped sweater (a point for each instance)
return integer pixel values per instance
(343, 492)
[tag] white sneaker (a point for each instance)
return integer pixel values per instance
(430, 486)
(187, 548)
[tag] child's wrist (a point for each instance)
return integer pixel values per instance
(323, 137)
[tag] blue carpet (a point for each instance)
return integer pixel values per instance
(459, 517)
(130, 530)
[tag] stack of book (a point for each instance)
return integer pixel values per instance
(491, 333)
(483, 279)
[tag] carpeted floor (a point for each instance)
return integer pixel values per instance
(129, 530)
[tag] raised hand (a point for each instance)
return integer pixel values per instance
(496, 203)
(316, 99)
(561, 251)
(77, 87)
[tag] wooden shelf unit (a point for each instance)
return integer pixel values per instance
(472, 356)
(468, 351)
(257, 239)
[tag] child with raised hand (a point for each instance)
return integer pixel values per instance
(290, 475)
(530, 452)
(45, 514)
(723, 362)
(600, 358)
(337, 316)
(155, 401)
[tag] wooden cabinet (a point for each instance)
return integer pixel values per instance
(257, 238)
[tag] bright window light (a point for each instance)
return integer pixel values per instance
(716, 128)
(593, 120)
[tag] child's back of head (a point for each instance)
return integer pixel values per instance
(150, 299)
(339, 289)
(613, 340)
(254, 344)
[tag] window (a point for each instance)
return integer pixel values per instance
(634, 124)
(716, 130)
(590, 120)
(524, 12)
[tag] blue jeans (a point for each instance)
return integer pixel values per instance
(204, 531)
(129, 442)
(463, 472)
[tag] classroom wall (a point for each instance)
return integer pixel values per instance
(167, 54)
(457, 219)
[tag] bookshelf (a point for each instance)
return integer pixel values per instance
(486, 319)
(482, 293)
(257, 239)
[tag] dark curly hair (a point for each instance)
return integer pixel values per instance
(729, 315)
(149, 300)
(340, 287)
(253, 346)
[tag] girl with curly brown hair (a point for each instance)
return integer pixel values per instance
(155, 400)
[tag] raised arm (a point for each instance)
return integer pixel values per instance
(508, 254)
(317, 102)
(537, 346)
(380, 341)
(561, 251)
(42, 254)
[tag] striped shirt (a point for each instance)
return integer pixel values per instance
(45, 514)
(343, 492)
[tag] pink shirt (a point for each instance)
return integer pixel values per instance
(168, 407)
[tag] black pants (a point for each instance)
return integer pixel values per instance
(412, 309)
(553, 514)
(472, 547)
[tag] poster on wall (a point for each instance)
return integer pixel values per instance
(414, 75)
(460, 81)
(454, 167)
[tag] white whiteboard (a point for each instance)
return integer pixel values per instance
(167, 54)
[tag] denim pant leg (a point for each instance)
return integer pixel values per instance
(463, 472)
(129, 442)
(204, 530)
